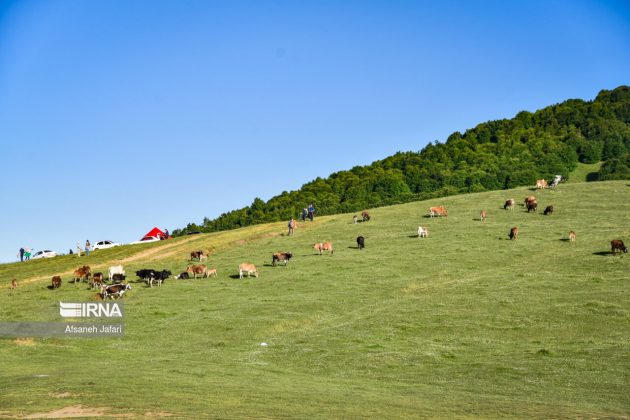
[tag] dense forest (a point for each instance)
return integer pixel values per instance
(493, 155)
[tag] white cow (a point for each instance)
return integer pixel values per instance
(423, 232)
(115, 269)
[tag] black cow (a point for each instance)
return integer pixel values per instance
(281, 257)
(531, 206)
(360, 242)
(548, 210)
(159, 277)
(183, 276)
(118, 278)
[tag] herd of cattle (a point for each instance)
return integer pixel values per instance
(116, 274)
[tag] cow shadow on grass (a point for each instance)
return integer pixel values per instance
(412, 236)
(565, 240)
(603, 253)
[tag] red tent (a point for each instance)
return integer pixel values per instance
(156, 233)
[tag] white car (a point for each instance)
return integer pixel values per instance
(44, 254)
(145, 240)
(104, 245)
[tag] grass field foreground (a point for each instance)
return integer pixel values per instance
(464, 323)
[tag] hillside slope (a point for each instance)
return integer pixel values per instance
(462, 323)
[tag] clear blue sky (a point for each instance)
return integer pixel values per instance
(117, 116)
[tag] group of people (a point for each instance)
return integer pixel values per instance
(25, 254)
(307, 213)
(88, 248)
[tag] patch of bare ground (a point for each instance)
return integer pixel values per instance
(61, 394)
(70, 412)
(24, 342)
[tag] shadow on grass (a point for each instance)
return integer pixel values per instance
(412, 236)
(603, 253)
(565, 240)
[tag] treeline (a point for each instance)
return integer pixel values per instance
(494, 155)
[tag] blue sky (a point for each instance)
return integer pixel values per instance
(117, 116)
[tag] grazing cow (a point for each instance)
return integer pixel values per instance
(532, 206)
(182, 276)
(360, 242)
(529, 199)
(281, 257)
(548, 210)
(618, 245)
(571, 236)
(541, 184)
(118, 278)
(556, 180)
(423, 232)
(438, 211)
(82, 273)
(212, 272)
(247, 268)
(202, 270)
(115, 269)
(56, 282)
(355, 219)
(483, 216)
(14, 284)
(114, 290)
(97, 281)
(513, 233)
(509, 204)
(198, 255)
(324, 246)
(365, 216)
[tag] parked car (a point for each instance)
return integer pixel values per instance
(44, 254)
(104, 245)
(145, 240)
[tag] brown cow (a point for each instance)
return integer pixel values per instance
(14, 284)
(247, 268)
(529, 199)
(202, 270)
(324, 246)
(513, 233)
(282, 257)
(483, 216)
(82, 273)
(97, 281)
(548, 210)
(212, 272)
(365, 216)
(532, 206)
(618, 245)
(196, 255)
(541, 184)
(56, 282)
(438, 211)
(509, 204)
(571, 236)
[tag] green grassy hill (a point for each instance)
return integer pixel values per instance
(464, 323)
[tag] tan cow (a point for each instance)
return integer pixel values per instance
(514, 233)
(247, 268)
(14, 284)
(323, 246)
(212, 272)
(541, 184)
(438, 211)
(202, 270)
(572, 236)
(483, 216)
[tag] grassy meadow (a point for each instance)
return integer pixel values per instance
(464, 323)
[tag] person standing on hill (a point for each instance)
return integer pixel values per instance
(21, 254)
(78, 250)
(311, 211)
(304, 214)
(87, 248)
(291, 226)
(27, 254)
